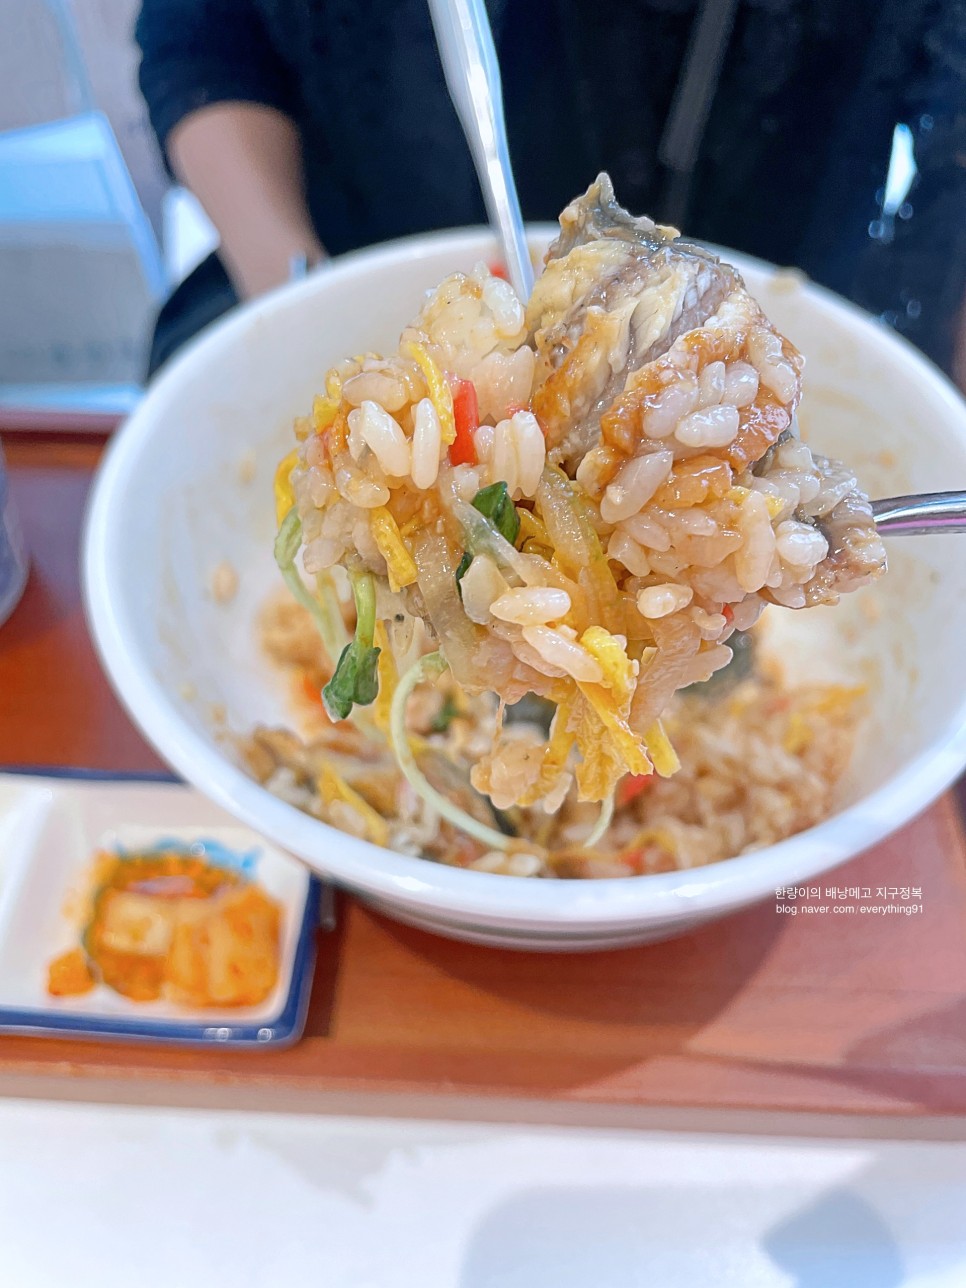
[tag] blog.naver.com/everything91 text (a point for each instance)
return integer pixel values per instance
(848, 901)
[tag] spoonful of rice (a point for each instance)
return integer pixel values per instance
(579, 498)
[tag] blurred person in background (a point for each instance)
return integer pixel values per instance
(312, 127)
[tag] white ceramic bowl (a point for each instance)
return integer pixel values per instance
(169, 504)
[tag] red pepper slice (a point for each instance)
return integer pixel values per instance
(498, 269)
(311, 690)
(633, 859)
(728, 613)
(466, 413)
(632, 786)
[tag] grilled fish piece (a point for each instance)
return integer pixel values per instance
(616, 293)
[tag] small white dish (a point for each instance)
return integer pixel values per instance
(50, 831)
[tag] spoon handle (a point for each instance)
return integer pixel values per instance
(473, 79)
(924, 512)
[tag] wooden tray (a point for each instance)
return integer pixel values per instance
(823, 1012)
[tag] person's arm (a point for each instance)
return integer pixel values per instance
(219, 99)
(243, 162)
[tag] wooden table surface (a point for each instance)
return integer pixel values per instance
(56, 705)
(759, 1011)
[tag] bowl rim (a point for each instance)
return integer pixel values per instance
(417, 883)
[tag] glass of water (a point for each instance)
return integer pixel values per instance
(13, 555)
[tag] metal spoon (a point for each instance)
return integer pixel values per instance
(907, 516)
(473, 79)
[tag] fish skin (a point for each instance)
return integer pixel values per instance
(615, 293)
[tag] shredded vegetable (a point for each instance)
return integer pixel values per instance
(325, 410)
(604, 818)
(287, 545)
(329, 619)
(399, 562)
(333, 787)
(429, 668)
(445, 716)
(532, 528)
(661, 752)
(284, 493)
(494, 504)
(388, 677)
(356, 678)
(440, 394)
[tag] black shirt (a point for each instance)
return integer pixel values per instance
(790, 165)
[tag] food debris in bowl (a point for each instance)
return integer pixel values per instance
(555, 519)
(760, 760)
(171, 924)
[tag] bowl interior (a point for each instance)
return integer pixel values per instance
(174, 502)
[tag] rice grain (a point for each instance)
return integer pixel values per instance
(531, 606)
(660, 601)
(427, 443)
(635, 484)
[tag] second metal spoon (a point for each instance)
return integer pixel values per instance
(924, 512)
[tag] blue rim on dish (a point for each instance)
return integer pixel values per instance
(79, 774)
(282, 1029)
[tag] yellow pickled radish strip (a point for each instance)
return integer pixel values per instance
(616, 665)
(800, 731)
(399, 562)
(284, 494)
(325, 409)
(837, 698)
(532, 528)
(440, 394)
(555, 754)
(324, 412)
(798, 735)
(577, 548)
(629, 744)
(333, 787)
(661, 752)
(388, 678)
(561, 741)
(658, 836)
(600, 767)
